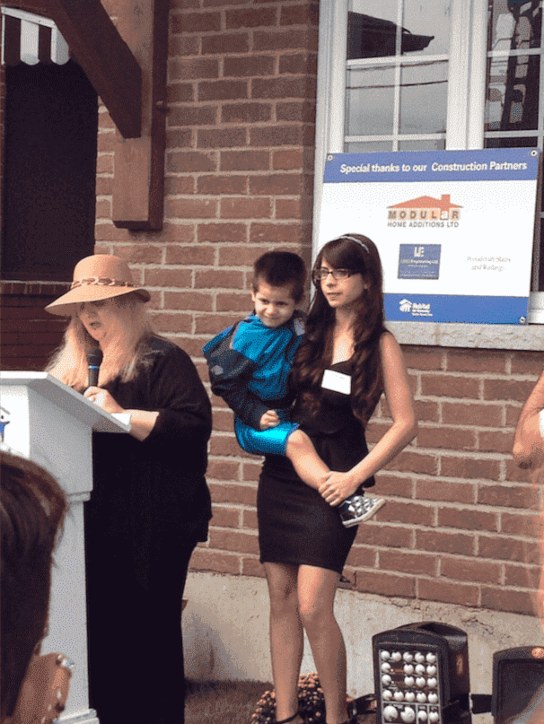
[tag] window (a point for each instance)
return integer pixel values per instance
(51, 123)
(402, 75)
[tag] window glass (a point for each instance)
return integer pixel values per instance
(423, 98)
(368, 146)
(370, 101)
(428, 24)
(424, 144)
(391, 90)
(513, 68)
(397, 27)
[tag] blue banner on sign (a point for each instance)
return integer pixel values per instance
(501, 164)
(455, 308)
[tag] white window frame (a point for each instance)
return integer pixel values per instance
(465, 131)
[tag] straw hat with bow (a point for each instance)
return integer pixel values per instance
(97, 277)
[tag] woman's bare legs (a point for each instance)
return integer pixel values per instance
(286, 636)
(316, 591)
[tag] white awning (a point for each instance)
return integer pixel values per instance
(29, 38)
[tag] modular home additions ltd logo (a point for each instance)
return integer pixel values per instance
(415, 309)
(424, 211)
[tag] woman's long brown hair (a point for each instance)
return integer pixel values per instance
(358, 253)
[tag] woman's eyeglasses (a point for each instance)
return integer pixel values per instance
(322, 273)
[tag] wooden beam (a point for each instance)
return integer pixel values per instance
(138, 184)
(102, 53)
(127, 66)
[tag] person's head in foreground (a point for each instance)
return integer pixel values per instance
(32, 510)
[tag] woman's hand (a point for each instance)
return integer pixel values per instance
(269, 419)
(103, 399)
(141, 421)
(337, 487)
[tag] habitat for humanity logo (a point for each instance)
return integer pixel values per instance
(424, 211)
(415, 309)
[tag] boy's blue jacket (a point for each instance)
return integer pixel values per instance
(249, 365)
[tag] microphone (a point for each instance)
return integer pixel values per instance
(94, 358)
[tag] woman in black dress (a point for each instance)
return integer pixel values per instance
(346, 362)
(150, 504)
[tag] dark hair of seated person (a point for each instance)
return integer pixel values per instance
(32, 509)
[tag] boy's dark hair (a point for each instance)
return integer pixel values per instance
(281, 269)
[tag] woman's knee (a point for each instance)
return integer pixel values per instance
(314, 615)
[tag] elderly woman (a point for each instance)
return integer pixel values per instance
(150, 503)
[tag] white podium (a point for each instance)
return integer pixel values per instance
(52, 425)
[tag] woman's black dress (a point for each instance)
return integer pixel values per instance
(149, 507)
(296, 525)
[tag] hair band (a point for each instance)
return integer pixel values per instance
(357, 241)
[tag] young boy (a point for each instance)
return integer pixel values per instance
(249, 365)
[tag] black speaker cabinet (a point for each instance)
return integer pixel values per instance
(518, 674)
(421, 674)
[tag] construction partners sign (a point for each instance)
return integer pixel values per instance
(455, 229)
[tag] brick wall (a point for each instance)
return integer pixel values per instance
(29, 334)
(462, 523)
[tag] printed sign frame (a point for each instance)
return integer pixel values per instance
(455, 229)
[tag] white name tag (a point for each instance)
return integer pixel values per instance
(336, 381)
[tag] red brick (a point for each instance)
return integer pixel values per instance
(246, 112)
(468, 519)
(190, 161)
(479, 361)
(505, 388)
(222, 232)
(223, 90)
(452, 438)
(193, 68)
(446, 491)
(470, 467)
(199, 22)
(224, 517)
(252, 567)
(500, 549)
(223, 470)
(190, 115)
(522, 524)
(233, 493)
(506, 496)
(518, 576)
(472, 414)
(283, 40)
(230, 540)
(527, 363)
(455, 592)
(468, 569)
(393, 536)
(385, 584)
(242, 208)
(441, 385)
(244, 66)
(303, 14)
(404, 512)
(221, 138)
(225, 43)
(445, 542)
(245, 18)
(506, 599)
(414, 563)
(396, 485)
(217, 561)
(220, 279)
